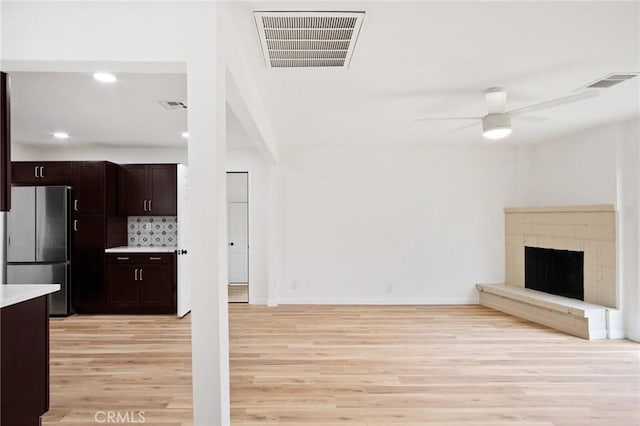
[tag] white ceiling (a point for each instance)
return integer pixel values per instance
(125, 113)
(413, 58)
(437, 58)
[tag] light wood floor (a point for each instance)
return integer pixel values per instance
(238, 293)
(346, 365)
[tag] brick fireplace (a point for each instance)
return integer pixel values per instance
(578, 237)
(588, 229)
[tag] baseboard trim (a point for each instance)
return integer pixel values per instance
(358, 301)
(257, 301)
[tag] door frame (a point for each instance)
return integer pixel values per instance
(248, 234)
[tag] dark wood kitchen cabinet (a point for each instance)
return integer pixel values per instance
(141, 283)
(90, 188)
(88, 284)
(5, 142)
(147, 190)
(95, 227)
(24, 362)
(42, 173)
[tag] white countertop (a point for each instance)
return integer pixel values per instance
(127, 249)
(11, 294)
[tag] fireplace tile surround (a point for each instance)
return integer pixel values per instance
(590, 229)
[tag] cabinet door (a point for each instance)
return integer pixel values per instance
(56, 173)
(156, 287)
(5, 143)
(89, 188)
(132, 190)
(25, 173)
(123, 286)
(163, 190)
(88, 285)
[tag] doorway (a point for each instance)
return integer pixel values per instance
(238, 236)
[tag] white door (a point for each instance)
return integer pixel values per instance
(184, 284)
(238, 243)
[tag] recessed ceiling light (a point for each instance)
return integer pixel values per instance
(185, 135)
(61, 135)
(104, 77)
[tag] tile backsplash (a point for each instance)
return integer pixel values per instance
(152, 231)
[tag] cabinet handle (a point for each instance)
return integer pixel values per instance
(41, 171)
(123, 258)
(145, 205)
(75, 225)
(150, 205)
(135, 275)
(75, 204)
(155, 258)
(141, 274)
(35, 171)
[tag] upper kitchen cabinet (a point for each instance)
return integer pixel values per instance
(147, 190)
(42, 173)
(94, 183)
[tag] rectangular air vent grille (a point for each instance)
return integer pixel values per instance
(308, 39)
(611, 80)
(172, 105)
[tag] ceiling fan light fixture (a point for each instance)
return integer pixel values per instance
(496, 126)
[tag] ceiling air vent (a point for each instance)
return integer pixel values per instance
(173, 104)
(308, 39)
(611, 80)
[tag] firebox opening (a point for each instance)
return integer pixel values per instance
(559, 272)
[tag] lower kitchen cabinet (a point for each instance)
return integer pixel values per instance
(141, 283)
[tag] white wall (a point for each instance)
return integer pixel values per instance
(628, 180)
(426, 220)
(117, 155)
(576, 169)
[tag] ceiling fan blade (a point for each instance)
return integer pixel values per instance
(466, 127)
(554, 103)
(531, 118)
(445, 118)
(496, 100)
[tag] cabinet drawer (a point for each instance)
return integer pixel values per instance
(140, 259)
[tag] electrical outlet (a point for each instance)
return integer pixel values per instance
(294, 285)
(389, 288)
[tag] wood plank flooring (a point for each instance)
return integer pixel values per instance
(350, 365)
(238, 293)
(120, 364)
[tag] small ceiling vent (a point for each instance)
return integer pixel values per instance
(611, 80)
(308, 39)
(172, 105)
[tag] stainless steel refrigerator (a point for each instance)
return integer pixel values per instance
(38, 241)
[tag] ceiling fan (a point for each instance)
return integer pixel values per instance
(497, 123)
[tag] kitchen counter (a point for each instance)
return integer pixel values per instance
(11, 294)
(127, 249)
